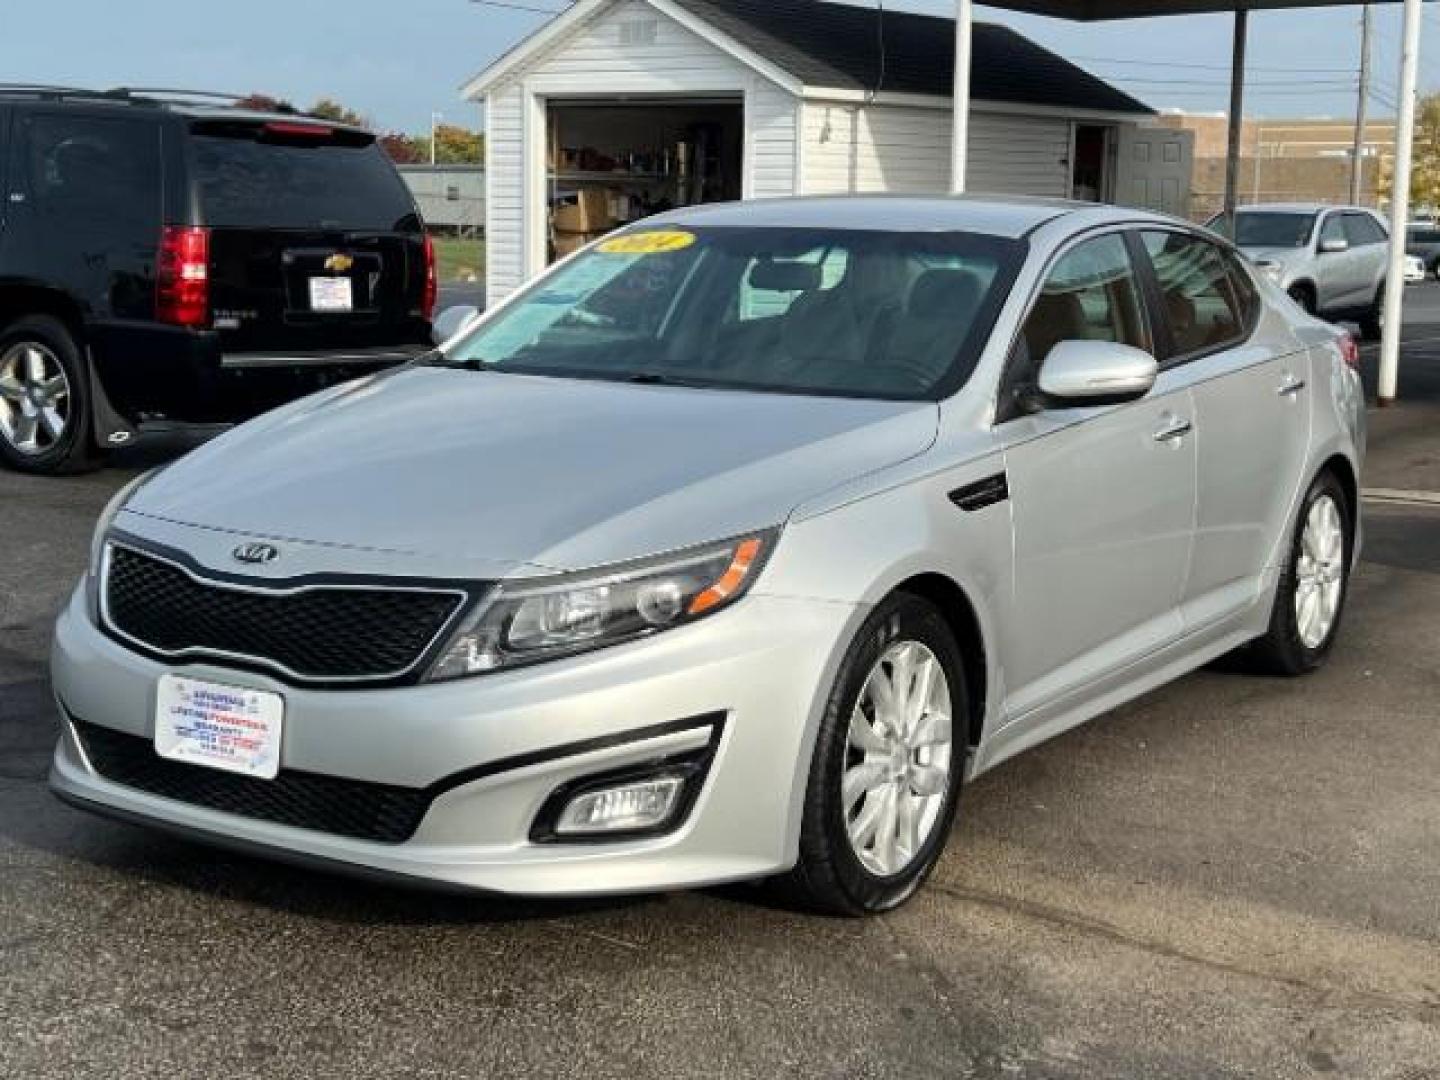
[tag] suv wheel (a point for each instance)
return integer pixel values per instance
(1372, 323)
(44, 398)
(1311, 595)
(886, 772)
(1304, 296)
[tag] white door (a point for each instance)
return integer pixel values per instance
(1156, 168)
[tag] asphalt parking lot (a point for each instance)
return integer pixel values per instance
(1233, 877)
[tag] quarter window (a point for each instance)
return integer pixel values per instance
(95, 168)
(1196, 291)
(1090, 295)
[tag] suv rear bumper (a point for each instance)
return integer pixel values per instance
(152, 372)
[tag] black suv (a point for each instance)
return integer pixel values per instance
(163, 258)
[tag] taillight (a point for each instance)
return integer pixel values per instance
(182, 280)
(432, 280)
(1350, 351)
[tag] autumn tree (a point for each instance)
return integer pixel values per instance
(404, 149)
(330, 109)
(1425, 177)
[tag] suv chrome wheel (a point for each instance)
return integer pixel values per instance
(34, 398)
(1319, 572)
(897, 769)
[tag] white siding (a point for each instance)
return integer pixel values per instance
(895, 149)
(628, 48)
(771, 119)
(504, 196)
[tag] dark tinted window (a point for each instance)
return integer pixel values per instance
(1196, 289)
(1362, 230)
(1269, 228)
(94, 169)
(1247, 297)
(248, 179)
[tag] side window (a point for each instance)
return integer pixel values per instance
(1333, 229)
(94, 168)
(1090, 295)
(1246, 295)
(1196, 291)
(1362, 230)
(770, 286)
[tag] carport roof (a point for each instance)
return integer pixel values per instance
(834, 47)
(1096, 10)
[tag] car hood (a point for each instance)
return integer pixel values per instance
(556, 473)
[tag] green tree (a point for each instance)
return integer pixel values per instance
(1425, 175)
(455, 145)
(330, 109)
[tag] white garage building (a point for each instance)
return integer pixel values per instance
(646, 104)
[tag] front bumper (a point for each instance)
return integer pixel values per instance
(493, 749)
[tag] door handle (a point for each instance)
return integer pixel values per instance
(1291, 386)
(1175, 428)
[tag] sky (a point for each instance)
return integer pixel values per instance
(398, 61)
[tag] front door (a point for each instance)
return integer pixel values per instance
(1103, 499)
(1343, 275)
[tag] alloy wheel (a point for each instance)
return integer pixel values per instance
(897, 766)
(34, 398)
(1319, 572)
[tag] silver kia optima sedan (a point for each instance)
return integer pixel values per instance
(728, 549)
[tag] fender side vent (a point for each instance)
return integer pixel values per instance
(982, 493)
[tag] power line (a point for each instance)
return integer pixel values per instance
(511, 5)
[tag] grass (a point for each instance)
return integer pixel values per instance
(459, 259)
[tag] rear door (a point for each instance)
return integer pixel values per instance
(1342, 276)
(1370, 244)
(315, 242)
(1252, 418)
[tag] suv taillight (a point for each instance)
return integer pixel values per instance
(432, 280)
(1350, 351)
(182, 281)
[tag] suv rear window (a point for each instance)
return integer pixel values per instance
(251, 179)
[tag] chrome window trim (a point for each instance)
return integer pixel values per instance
(461, 595)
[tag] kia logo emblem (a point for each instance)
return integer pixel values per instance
(256, 554)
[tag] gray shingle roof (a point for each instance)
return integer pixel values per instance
(837, 46)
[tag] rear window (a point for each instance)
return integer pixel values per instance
(248, 178)
(1269, 229)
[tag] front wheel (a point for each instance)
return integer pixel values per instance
(1311, 595)
(886, 771)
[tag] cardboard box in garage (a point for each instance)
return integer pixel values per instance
(590, 213)
(567, 243)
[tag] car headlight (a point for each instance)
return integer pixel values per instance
(525, 622)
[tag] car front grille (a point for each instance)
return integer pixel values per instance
(322, 633)
(329, 804)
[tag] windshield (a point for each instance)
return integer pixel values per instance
(248, 180)
(1268, 229)
(871, 314)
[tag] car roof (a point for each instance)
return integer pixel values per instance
(188, 104)
(1298, 208)
(1010, 217)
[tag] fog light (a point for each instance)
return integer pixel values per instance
(642, 804)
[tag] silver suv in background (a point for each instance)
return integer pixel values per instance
(1330, 259)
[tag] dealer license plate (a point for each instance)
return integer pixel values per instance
(331, 294)
(219, 726)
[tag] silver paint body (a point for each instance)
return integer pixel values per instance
(1121, 560)
(1344, 281)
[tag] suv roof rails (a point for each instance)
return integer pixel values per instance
(158, 93)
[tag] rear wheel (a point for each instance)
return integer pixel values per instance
(44, 398)
(1311, 595)
(886, 772)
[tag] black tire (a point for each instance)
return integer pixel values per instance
(1305, 297)
(1372, 323)
(1283, 651)
(73, 449)
(829, 876)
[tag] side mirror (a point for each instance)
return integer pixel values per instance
(453, 321)
(1334, 246)
(1078, 373)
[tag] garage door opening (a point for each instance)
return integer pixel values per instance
(611, 163)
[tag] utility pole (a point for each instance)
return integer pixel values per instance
(1237, 117)
(1357, 155)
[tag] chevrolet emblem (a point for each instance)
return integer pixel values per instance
(339, 263)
